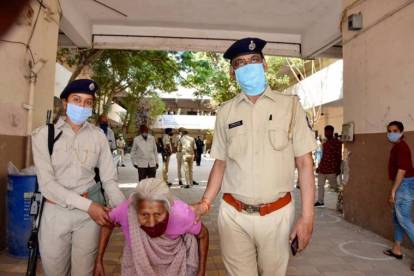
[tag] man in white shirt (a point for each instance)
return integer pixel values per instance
(144, 154)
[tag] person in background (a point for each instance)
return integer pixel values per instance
(200, 148)
(179, 155)
(162, 234)
(188, 149)
(401, 174)
(318, 151)
(74, 203)
(120, 143)
(166, 152)
(110, 136)
(144, 154)
(330, 166)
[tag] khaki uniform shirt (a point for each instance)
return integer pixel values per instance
(253, 140)
(166, 140)
(187, 145)
(177, 143)
(69, 172)
(144, 153)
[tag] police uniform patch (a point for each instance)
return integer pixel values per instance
(91, 86)
(252, 45)
(235, 124)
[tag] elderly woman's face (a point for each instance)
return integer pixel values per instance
(151, 213)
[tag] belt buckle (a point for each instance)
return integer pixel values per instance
(250, 209)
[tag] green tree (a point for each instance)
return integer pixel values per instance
(209, 74)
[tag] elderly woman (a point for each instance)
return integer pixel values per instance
(162, 236)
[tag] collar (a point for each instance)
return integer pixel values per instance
(269, 93)
(62, 123)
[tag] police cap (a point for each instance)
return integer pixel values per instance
(245, 46)
(84, 86)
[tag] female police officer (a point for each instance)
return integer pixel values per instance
(69, 229)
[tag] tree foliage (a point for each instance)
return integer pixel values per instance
(209, 74)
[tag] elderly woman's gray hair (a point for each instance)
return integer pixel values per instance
(153, 189)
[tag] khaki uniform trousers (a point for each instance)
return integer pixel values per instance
(187, 163)
(179, 156)
(68, 241)
(254, 245)
(333, 183)
(165, 165)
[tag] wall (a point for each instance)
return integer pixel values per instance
(332, 115)
(14, 86)
(378, 85)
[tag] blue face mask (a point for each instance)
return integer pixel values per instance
(252, 79)
(77, 114)
(394, 136)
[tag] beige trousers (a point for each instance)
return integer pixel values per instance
(187, 163)
(254, 245)
(165, 166)
(68, 241)
(333, 183)
(179, 156)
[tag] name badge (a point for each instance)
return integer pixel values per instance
(235, 124)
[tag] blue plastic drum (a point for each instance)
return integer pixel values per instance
(19, 221)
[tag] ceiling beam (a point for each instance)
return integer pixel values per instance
(75, 25)
(324, 33)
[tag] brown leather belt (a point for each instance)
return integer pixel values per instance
(85, 195)
(262, 209)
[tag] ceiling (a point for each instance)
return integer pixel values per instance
(292, 27)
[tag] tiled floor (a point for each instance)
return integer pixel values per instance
(337, 248)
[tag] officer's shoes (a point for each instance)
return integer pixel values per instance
(195, 183)
(186, 186)
(180, 183)
(169, 184)
(319, 204)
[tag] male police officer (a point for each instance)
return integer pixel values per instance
(187, 149)
(259, 137)
(69, 229)
(179, 154)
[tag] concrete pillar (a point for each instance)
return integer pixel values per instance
(15, 85)
(378, 88)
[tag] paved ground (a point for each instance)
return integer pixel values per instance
(337, 247)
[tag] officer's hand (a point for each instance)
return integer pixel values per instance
(303, 229)
(199, 210)
(99, 269)
(99, 214)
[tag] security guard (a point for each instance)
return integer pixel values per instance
(166, 153)
(260, 135)
(179, 155)
(187, 149)
(73, 211)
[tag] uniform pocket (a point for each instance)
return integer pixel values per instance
(278, 138)
(237, 145)
(87, 157)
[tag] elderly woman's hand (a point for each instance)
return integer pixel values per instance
(199, 209)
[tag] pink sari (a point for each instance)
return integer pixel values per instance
(158, 256)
